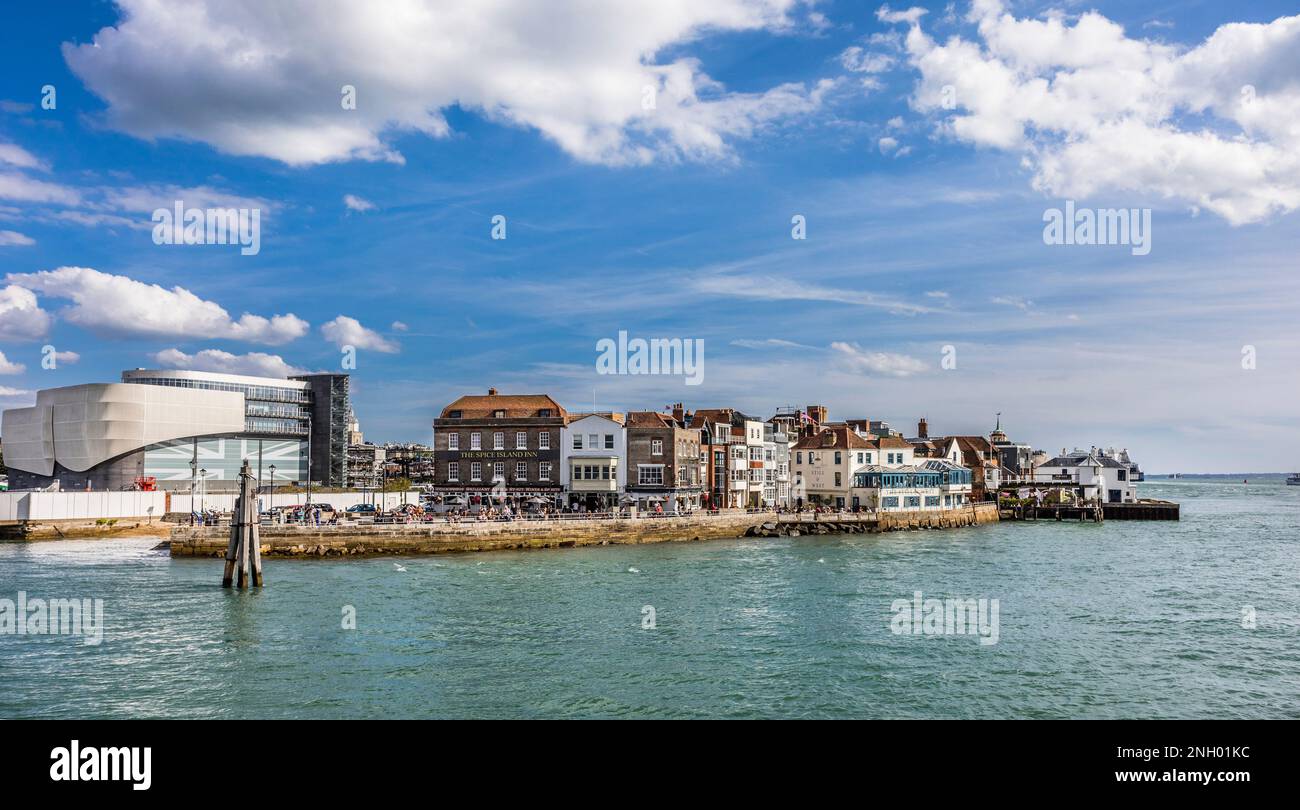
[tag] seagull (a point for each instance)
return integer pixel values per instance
(398, 567)
(632, 570)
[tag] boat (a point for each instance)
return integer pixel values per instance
(1293, 480)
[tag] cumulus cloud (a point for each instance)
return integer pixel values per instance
(253, 78)
(66, 358)
(911, 15)
(14, 238)
(256, 364)
(118, 306)
(9, 367)
(857, 359)
(21, 316)
(345, 331)
(355, 203)
(1092, 110)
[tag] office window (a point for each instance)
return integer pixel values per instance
(453, 441)
(476, 471)
(657, 449)
(499, 440)
(544, 470)
(521, 471)
(577, 441)
(453, 471)
(521, 440)
(609, 441)
(499, 471)
(544, 440)
(476, 441)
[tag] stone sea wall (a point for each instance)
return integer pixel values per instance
(441, 538)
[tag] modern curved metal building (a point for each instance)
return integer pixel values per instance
(175, 425)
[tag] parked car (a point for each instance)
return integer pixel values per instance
(363, 509)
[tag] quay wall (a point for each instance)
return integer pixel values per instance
(441, 538)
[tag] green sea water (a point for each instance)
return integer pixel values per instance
(1122, 619)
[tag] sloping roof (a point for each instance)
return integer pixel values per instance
(649, 419)
(516, 406)
(894, 442)
(836, 438)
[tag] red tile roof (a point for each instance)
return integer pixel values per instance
(516, 406)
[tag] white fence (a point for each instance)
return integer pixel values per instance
(81, 505)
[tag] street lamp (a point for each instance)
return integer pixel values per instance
(194, 465)
(203, 491)
(272, 509)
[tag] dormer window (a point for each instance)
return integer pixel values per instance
(498, 414)
(544, 412)
(453, 415)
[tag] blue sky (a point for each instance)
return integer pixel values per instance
(924, 223)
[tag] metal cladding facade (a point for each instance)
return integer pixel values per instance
(93, 436)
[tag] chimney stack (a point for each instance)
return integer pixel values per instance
(492, 392)
(679, 411)
(922, 429)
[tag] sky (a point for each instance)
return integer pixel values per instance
(650, 161)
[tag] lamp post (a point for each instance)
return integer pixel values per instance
(272, 507)
(203, 492)
(194, 466)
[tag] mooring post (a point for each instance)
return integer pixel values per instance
(244, 551)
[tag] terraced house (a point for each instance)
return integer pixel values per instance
(663, 462)
(507, 444)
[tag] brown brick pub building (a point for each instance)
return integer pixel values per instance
(513, 439)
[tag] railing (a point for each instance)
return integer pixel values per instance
(223, 520)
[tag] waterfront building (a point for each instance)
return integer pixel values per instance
(714, 426)
(663, 462)
(901, 488)
(170, 428)
(501, 445)
(954, 481)
(366, 466)
(824, 465)
(330, 408)
(409, 460)
(1093, 474)
(1015, 458)
(593, 461)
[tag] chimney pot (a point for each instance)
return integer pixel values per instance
(492, 392)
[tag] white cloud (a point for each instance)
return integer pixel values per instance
(66, 358)
(398, 326)
(19, 187)
(15, 396)
(911, 15)
(12, 238)
(8, 367)
(1094, 111)
(256, 364)
(355, 203)
(120, 306)
(887, 145)
(1022, 304)
(345, 331)
(855, 358)
(15, 155)
(267, 79)
(21, 317)
(860, 61)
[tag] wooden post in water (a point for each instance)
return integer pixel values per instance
(245, 550)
